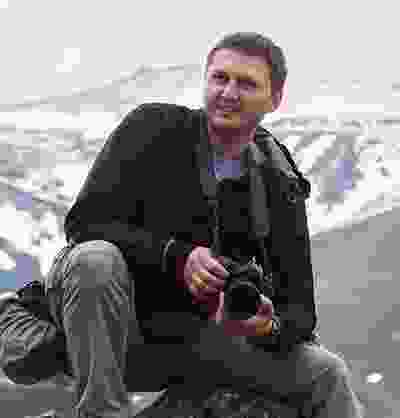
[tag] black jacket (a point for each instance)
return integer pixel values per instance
(144, 188)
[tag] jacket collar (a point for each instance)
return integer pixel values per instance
(266, 152)
(273, 153)
(280, 165)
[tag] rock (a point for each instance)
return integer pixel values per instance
(222, 403)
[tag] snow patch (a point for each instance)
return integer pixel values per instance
(6, 262)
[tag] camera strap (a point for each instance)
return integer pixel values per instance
(254, 159)
(259, 205)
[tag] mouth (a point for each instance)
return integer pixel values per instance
(227, 109)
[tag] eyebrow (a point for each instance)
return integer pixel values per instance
(222, 71)
(247, 78)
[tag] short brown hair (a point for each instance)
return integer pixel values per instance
(253, 43)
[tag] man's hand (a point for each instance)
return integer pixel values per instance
(204, 275)
(258, 325)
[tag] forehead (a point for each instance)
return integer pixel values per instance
(240, 63)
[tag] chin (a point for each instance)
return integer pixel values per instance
(219, 121)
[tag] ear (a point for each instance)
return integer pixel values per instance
(276, 99)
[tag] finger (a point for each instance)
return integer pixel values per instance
(217, 268)
(263, 315)
(213, 282)
(208, 290)
(197, 293)
(198, 281)
(190, 284)
(216, 283)
(194, 284)
(266, 307)
(203, 290)
(213, 265)
(219, 314)
(204, 281)
(264, 328)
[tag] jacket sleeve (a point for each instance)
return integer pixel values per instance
(109, 205)
(294, 299)
(296, 295)
(295, 315)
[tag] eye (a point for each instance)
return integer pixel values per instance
(247, 83)
(220, 77)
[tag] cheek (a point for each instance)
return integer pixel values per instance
(210, 96)
(257, 105)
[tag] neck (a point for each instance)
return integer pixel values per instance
(230, 143)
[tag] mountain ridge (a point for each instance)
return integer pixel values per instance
(107, 94)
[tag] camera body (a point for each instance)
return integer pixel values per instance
(244, 286)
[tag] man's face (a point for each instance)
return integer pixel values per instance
(237, 91)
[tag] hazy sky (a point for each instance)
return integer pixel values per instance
(52, 46)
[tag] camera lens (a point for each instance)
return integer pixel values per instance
(242, 300)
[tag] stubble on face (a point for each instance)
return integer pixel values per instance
(237, 92)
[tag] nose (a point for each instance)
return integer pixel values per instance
(230, 90)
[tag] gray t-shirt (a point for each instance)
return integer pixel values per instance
(227, 168)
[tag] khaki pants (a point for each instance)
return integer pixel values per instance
(91, 294)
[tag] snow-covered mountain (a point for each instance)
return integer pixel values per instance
(349, 153)
(47, 146)
(351, 161)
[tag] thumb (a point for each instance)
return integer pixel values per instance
(218, 314)
(266, 307)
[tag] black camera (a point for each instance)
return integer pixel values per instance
(243, 289)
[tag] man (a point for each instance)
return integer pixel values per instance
(139, 291)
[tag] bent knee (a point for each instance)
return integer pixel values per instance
(98, 262)
(334, 366)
